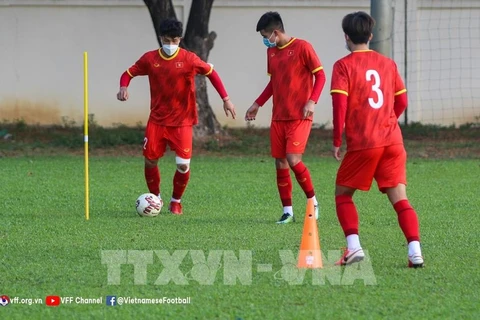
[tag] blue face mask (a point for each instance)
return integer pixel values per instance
(266, 41)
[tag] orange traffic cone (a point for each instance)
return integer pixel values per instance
(310, 255)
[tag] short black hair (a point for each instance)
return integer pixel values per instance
(358, 26)
(270, 21)
(171, 28)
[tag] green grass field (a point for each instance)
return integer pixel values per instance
(231, 204)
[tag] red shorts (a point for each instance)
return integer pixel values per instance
(289, 137)
(386, 164)
(157, 137)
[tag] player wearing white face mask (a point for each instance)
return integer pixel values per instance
(169, 45)
(173, 113)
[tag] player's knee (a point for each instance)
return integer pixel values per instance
(397, 193)
(183, 165)
(183, 168)
(281, 163)
(292, 163)
(293, 159)
(344, 191)
(150, 163)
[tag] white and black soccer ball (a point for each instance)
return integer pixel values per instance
(149, 205)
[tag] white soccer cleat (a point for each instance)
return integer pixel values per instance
(350, 257)
(415, 261)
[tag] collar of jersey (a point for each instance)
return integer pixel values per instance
(288, 43)
(366, 50)
(168, 58)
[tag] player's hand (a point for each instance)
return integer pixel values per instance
(336, 153)
(229, 107)
(308, 109)
(122, 95)
(252, 112)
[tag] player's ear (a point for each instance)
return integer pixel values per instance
(371, 37)
(346, 37)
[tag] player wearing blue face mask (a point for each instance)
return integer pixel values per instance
(296, 81)
(269, 44)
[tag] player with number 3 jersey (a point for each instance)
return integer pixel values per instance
(370, 82)
(368, 96)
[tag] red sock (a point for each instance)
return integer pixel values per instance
(347, 214)
(152, 177)
(408, 220)
(180, 181)
(284, 185)
(303, 177)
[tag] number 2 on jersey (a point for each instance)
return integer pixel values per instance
(376, 88)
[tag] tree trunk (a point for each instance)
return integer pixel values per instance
(197, 39)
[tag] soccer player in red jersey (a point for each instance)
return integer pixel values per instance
(368, 96)
(173, 113)
(296, 81)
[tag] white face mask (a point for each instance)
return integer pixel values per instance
(346, 47)
(169, 49)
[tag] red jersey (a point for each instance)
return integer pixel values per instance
(370, 81)
(172, 85)
(291, 68)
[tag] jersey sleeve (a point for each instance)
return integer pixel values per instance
(310, 58)
(200, 66)
(140, 68)
(339, 79)
(399, 85)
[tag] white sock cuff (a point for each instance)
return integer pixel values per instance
(414, 248)
(353, 242)
(179, 160)
(288, 209)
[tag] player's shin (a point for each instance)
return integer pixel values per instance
(181, 178)
(180, 182)
(408, 221)
(152, 178)
(284, 185)
(304, 179)
(348, 217)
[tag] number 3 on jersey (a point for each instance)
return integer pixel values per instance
(376, 88)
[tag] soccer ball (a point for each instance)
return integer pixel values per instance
(149, 205)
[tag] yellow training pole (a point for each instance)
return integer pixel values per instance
(85, 134)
